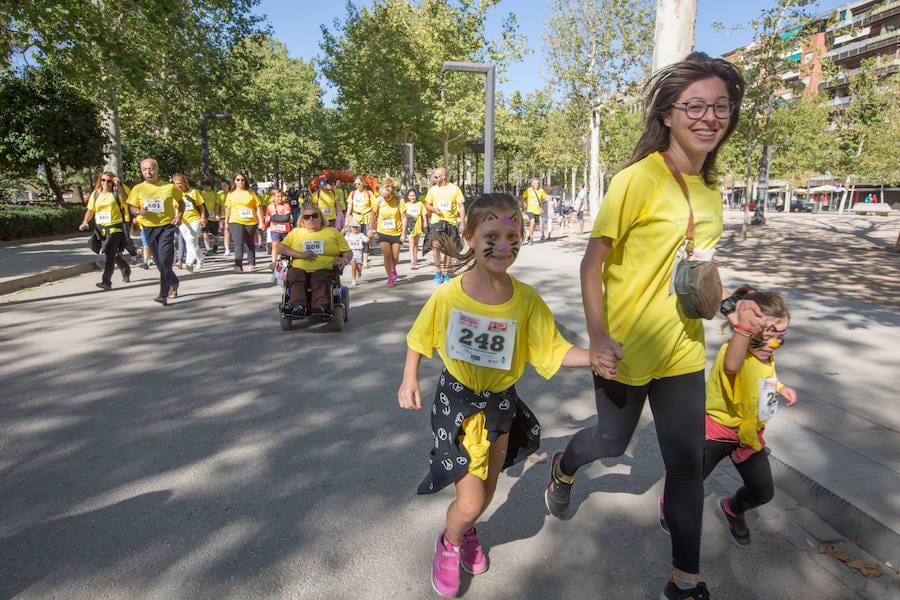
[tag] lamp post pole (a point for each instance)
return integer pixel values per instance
(204, 144)
(489, 71)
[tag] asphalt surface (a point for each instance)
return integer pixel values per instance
(198, 451)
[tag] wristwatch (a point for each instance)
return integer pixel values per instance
(729, 305)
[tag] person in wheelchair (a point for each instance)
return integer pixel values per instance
(317, 251)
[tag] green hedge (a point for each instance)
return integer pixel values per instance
(19, 221)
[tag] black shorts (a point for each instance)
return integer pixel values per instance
(534, 216)
(387, 239)
(212, 228)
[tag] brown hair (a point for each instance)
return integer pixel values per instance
(662, 91)
(772, 304)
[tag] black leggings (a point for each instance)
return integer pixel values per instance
(243, 235)
(678, 405)
(114, 257)
(758, 486)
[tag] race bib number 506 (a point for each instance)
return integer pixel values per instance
(479, 340)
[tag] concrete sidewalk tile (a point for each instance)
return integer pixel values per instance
(879, 445)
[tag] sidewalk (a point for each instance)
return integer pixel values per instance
(26, 264)
(837, 452)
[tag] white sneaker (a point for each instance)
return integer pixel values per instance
(227, 252)
(198, 266)
(355, 282)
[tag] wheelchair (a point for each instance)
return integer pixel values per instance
(338, 312)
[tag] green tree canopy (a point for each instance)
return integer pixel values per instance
(47, 125)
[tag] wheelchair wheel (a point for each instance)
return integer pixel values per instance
(287, 323)
(345, 300)
(340, 316)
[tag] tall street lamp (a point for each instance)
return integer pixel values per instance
(489, 71)
(204, 117)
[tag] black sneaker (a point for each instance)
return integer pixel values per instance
(662, 518)
(104, 286)
(737, 525)
(126, 277)
(558, 493)
(673, 592)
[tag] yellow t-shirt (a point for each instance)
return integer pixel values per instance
(243, 205)
(211, 202)
(447, 199)
(192, 203)
(222, 196)
(326, 243)
(738, 407)
(363, 203)
(160, 199)
(341, 198)
(533, 198)
(646, 215)
(537, 341)
(327, 202)
(414, 212)
(389, 220)
(107, 210)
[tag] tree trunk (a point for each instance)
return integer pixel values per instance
(53, 185)
(595, 161)
(113, 150)
(673, 39)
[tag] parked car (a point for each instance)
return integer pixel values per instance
(800, 206)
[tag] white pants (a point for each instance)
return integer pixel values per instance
(190, 234)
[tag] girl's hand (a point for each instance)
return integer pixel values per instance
(747, 314)
(83, 227)
(605, 355)
(790, 394)
(409, 395)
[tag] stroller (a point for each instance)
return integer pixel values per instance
(338, 311)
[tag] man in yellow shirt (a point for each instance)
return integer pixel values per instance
(327, 201)
(160, 205)
(447, 206)
(534, 200)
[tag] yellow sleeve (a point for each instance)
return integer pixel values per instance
(546, 346)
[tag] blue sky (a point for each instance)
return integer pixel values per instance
(296, 23)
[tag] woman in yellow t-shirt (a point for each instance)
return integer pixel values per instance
(193, 218)
(243, 213)
(641, 342)
(388, 219)
(416, 223)
(316, 249)
(106, 206)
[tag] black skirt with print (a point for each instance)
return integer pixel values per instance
(504, 413)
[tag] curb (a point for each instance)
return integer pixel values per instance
(848, 520)
(18, 283)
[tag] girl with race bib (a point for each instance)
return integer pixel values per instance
(388, 219)
(741, 398)
(416, 223)
(486, 326)
(357, 241)
(278, 222)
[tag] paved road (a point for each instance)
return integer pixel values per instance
(197, 451)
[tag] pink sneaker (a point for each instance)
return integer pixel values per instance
(445, 572)
(413, 265)
(471, 556)
(391, 280)
(394, 273)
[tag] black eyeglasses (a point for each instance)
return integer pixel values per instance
(697, 109)
(310, 217)
(106, 181)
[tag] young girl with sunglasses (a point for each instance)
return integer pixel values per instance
(486, 326)
(741, 398)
